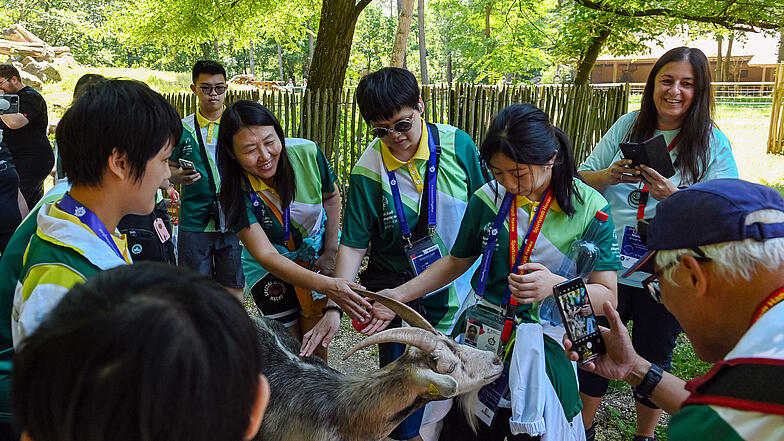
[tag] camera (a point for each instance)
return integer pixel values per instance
(9, 104)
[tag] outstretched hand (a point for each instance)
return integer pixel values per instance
(619, 360)
(322, 333)
(340, 292)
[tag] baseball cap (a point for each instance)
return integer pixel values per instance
(707, 213)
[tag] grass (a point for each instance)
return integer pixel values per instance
(59, 95)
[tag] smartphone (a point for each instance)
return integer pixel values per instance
(579, 319)
(186, 165)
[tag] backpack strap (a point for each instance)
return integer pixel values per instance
(751, 384)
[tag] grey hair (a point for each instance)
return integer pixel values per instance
(734, 260)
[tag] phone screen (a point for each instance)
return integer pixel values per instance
(186, 165)
(579, 319)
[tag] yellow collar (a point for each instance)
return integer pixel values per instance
(257, 184)
(423, 152)
(204, 122)
(522, 201)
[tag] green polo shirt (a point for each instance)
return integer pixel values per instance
(196, 198)
(369, 218)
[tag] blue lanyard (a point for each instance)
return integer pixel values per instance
(75, 208)
(432, 175)
(254, 198)
(484, 268)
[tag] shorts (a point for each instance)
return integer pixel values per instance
(216, 255)
(654, 331)
(276, 299)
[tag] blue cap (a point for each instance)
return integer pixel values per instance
(708, 213)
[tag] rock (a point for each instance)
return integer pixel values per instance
(31, 80)
(45, 71)
(27, 60)
(17, 65)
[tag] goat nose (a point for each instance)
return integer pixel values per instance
(496, 360)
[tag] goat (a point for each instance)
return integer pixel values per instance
(312, 402)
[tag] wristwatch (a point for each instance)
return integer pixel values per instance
(652, 378)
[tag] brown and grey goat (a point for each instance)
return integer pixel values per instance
(312, 402)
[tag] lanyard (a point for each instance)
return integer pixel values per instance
(772, 300)
(75, 208)
(285, 218)
(644, 192)
(508, 206)
(432, 175)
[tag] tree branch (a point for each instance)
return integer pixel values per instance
(734, 23)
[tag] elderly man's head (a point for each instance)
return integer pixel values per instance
(716, 251)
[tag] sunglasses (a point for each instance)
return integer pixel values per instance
(402, 126)
(651, 283)
(208, 89)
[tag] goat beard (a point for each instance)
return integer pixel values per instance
(468, 403)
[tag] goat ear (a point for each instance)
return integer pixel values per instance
(437, 384)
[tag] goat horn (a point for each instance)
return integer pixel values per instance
(410, 336)
(404, 311)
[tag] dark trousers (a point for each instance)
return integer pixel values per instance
(456, 427)
(654, 331)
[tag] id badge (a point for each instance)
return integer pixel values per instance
(160, 229)
(489, 397)
(632, 247)
(483, 329)
(421, 254)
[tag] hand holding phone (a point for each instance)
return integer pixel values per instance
(186, 165)
(579, 319)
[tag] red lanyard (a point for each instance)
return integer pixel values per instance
(644, 191)
(772, 300)
(533, 233)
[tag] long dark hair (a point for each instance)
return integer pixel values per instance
(524, 133)
(697, 127)
(234, 183)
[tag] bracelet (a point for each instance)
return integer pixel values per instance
(652, 378)
(332, 308)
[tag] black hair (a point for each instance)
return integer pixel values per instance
(124, 116)
(85, 81)
(383, 93)
(234, 183)
(697, 127)
(523, 133)
(8, 71)
(208, 67)
(140, 352)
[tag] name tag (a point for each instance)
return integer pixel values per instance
(422, 253)
(632, 247)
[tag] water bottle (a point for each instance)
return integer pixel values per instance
(579, 262)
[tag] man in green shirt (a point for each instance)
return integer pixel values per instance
(204, 243)
(716, 255)
(400, 157)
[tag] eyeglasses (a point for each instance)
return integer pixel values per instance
(651, 283)
(402, 126)
(3, 82)
(208, 89)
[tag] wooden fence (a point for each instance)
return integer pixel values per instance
(584, 113)
(776, 130)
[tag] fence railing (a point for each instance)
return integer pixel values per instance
(730, 94)
(776, 130)
(334, 121)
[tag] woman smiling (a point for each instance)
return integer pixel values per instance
(280, 196)
(677, 103)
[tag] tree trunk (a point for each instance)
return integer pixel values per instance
(488, 10)
(397, 59)
(422, 47)
(280, 62)
(585, 65)
(330, 61)
(216, 43)
(781, 46)
(309, 59)
(449, 77)
(252, 60)
(728, 59)
(205, 51)
(719, 65)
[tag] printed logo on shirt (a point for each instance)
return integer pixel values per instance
(486, 232)
(388, 214)
(187, 149)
